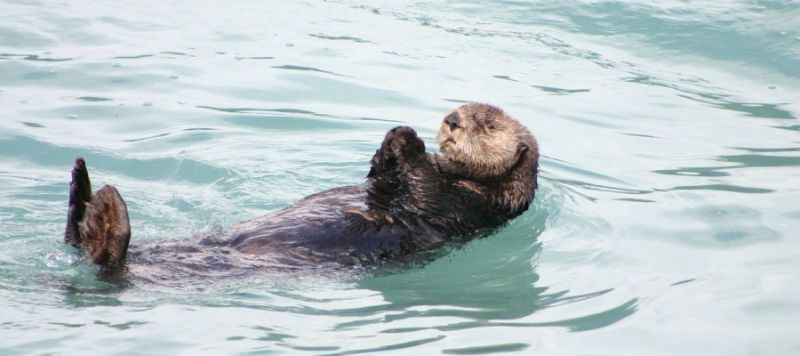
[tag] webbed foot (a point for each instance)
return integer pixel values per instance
(98, 223)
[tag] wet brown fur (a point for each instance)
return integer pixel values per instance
(411, 201)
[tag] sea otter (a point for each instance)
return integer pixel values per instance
(411, 201)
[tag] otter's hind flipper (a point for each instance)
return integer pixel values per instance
(99, 223)
(105, 229)
(80, 193)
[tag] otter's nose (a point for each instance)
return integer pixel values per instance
(452, 120)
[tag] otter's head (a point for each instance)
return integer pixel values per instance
(482, 141)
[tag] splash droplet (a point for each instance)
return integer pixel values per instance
(57, 260)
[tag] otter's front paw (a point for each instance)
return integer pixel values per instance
(400, 144)
(404, 142)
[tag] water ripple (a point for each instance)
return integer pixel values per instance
(303, 68)
(338, 38)
(668, 173)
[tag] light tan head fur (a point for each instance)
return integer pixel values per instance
(482, 141)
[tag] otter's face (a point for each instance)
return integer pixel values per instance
(482, 138)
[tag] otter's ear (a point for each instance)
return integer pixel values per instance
(522, 148)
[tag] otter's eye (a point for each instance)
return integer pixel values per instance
(490, 126)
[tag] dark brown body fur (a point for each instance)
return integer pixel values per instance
(411, 201)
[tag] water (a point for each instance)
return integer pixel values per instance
(666, 222)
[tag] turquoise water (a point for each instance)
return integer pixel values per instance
(666, 222)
